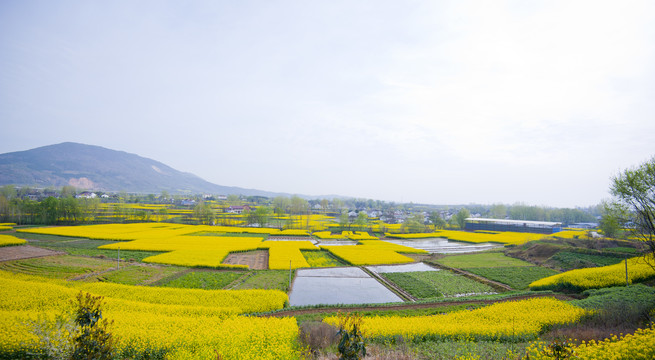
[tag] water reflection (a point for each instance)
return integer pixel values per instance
(444, 246)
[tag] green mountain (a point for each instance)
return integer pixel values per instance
(91, 167)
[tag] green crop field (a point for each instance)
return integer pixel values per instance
(83, 247)
(486, 259)
(130, 274)
(517, 277)
(209, 280)
(321, 259)
(574, 260)
(431, 284)
(266, 279)
(61, 267)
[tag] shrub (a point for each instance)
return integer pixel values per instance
(317, 336)
(93, 340)
(352, 345)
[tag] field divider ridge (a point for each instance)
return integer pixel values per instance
(389, 285)
(494, 284)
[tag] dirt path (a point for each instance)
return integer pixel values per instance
(20, 252)
(256, 260)
(407, 306)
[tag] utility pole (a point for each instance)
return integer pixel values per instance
(289, 274)
(626, 271)
(118, 259)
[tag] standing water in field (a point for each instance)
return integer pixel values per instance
(443, 245)
(331, 286)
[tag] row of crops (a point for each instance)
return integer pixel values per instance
(185, 323)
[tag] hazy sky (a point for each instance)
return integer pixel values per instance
(442, 102)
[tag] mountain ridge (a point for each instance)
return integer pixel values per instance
(92, 167)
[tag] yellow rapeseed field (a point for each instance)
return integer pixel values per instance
(598, 277)
(373, 252)
(8, 240)
(637, 346)
(190, 323)
(507, 238)
(285, 254)
(506, 321)
(367, 255)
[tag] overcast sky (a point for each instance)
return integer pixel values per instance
(441, 102)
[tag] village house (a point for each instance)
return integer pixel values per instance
(238, 209)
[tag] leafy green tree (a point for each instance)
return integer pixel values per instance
(414, 224)
(437, 221)
(362, 220)
(634, 192)
(68, 191)
(49, 210)
(204, 213)
(344, 219)
(260, 216)
(612, 219)
(93, 339)
(461, 217)
(299, 205)
(498, 211)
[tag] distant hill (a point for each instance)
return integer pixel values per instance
(91, 167)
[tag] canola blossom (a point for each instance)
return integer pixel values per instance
(637, 346)
(507, 321)
(373, 252)
(598, 277)
(8, 240)
(327, 235)
(188, 323)
(352, 235)
(125, 232)
(208, 251)
(365, 255)
(506, 238)
(286, 254)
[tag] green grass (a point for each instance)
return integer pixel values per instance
(419, 288)
(321, 259)
(575, 260)
(60, 267)
(266, 279)
(431, 284)
(622, 250)
(130, 274)
(83, 247)
(517, 277)
(633, 295)
(462, 349)
(485, 259)
(209, 280)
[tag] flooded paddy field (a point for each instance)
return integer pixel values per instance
(414, 267)
(331, 286)
(443, 245)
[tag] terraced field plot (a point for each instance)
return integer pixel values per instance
(488, 259)
(60, 267)
(348, 285)
(435, 284)
(209, 280)
(438, 245)
(517, 277)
